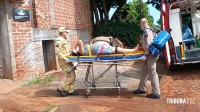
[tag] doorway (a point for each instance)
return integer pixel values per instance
(49, 55)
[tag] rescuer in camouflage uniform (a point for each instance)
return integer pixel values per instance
(62, 49)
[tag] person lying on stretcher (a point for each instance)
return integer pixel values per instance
(100, 47)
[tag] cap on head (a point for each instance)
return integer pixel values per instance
(63, 29)
(143, 20)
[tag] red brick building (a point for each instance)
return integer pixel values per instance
(27, 48)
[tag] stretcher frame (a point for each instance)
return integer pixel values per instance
(113, 60)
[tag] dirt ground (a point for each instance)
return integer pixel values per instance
(182, 83)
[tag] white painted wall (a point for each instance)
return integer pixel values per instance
(176, 26)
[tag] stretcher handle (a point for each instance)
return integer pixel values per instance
(101, 54)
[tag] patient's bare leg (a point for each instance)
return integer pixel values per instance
(123, 50)
(80, 47)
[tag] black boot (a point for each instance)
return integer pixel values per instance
(73, 93)
(153, 95)
(138, 91)
(62, 93)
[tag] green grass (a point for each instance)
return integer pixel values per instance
(48, 79)
(50, 108)
(39, 80)
(33, 80)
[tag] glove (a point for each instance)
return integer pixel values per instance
(66, 60)
(75, 63)
(69, 71)
(143, 58)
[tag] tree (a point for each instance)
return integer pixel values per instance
(125, 24)
(126, 32)
(159, 22)
(157, 3)
(101, 10)
(133, 12)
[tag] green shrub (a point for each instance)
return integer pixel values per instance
(33, 80)
(126, 32)
(48, 79)
(37, 80)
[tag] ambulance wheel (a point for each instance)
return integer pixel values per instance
(176, 67)
(173, 67)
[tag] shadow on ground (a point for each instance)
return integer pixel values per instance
(124, 93)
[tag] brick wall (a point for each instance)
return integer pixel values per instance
(73, 14)
(42, 13)
(28, 54)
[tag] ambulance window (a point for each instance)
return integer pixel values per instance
(187, 21)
